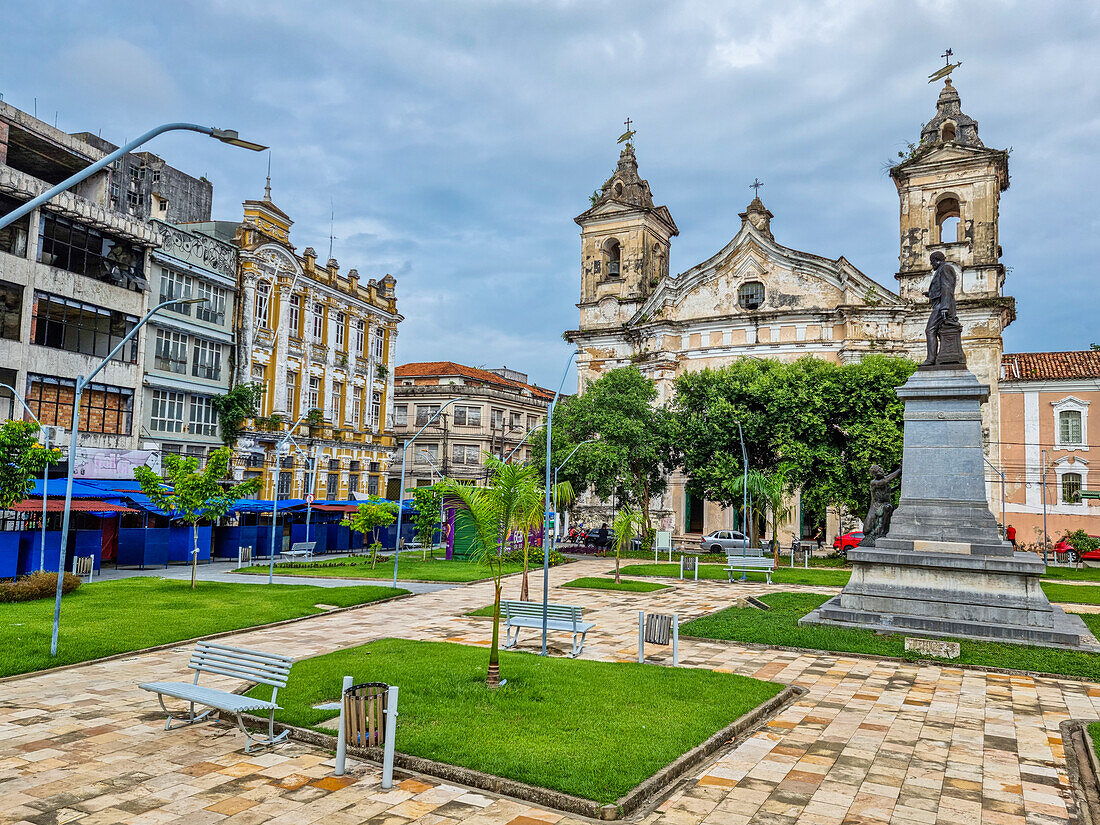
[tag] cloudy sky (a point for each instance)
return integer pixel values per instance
(456, 141)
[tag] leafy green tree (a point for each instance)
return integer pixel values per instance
(627, 524)
(631, 452)
(428, 501)
(190, 494)
(767, 496)
(241, 402)
(491, 512)
(371, 514)
(24, 460)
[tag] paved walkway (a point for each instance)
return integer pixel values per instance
(871, 742)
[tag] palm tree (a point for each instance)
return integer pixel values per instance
(492, 512)
(626, 525)
(769, 495)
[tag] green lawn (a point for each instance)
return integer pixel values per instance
(410, 568)
(593, 729)
(1083, 574)
(1074, 593)
(627, 585)
(1094, 735)
(782, 575)
(129, 614)
(779, 626)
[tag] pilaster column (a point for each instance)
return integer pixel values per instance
(246, 334)
(282, 344)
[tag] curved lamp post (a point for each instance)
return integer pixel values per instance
(525, 437)
(441, 478)
(401, 489)
(546, 520)
(45, 470)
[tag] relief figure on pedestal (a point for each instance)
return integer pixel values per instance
(877, 523)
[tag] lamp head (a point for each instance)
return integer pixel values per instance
(232, 137)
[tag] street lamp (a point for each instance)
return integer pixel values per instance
(312, 475)
(45, 471)
(586, 441)
(441, 478)
(546, 520)
(401, 489)
(744, 494)
(526, 435)
(81, 383)
(229, 136)
(275, 503)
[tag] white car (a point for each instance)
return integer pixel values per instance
(721, 541)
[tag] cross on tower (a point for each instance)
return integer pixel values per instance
(755, 185)
(947, 57)
(628, 121)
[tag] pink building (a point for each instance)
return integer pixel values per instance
(1047, 444)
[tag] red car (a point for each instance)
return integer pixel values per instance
(842, 544)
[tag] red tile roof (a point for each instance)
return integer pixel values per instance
(441, 369)
(1047, 366)
(81, 505)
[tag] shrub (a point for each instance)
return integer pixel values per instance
(1082, 542)
(40, 585)
(516, 556)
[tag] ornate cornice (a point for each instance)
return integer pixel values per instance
(201, 250)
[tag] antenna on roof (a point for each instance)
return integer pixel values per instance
(331, 225)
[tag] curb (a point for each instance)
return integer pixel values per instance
(1083, 769)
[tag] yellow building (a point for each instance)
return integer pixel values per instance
(322, 344)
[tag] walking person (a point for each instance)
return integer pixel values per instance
(1010, 535)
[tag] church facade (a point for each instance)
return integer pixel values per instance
(756, 298)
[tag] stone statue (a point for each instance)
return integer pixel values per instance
(877, 523)
(943, 332)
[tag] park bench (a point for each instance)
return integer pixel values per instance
(240, 663)
(736, 563)
(301, 550)
(563, 617)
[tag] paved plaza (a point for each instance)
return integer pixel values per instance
(870, 742)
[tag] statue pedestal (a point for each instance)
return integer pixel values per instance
(942, 569)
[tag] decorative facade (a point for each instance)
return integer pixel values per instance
(756, 298)
(322, 344)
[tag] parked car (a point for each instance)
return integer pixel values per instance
(1063, 546)
(721, 541)
(842, 544)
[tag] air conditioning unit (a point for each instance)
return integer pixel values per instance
(56, 434)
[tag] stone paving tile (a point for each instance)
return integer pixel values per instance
(870, 742)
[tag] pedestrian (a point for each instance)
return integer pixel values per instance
(1010, 535)
(819, 538)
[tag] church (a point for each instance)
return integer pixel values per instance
(756, 298)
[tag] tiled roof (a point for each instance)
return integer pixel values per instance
(1047, 366)
(442, 369)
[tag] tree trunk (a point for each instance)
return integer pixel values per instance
(195, 553)
(492, 679)
(523, 592)
(616, 562)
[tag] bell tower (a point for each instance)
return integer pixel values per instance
(624, 245)
(950, 190)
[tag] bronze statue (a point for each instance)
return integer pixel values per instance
(877, 523)
(943, 332)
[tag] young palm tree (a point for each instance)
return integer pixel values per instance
(534, 516)
(491, 512)
(768, 494)
(628, 522)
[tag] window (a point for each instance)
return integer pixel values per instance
(380, 344)
(204, 418)
(334, 464)
(464, 454)
(174, 286)
(341, 325)
(1069, 427)
(137, 173)
(314, 392)
(375, 466)
(532, 422)
(353, 484)
(166, 415)
(515, 421)
(86, 251)
(11, 310)
(171, 351)
(613, 251)
(296, 315)
(947, 131)
(372, 485)
(292, 393)
(750, 295)
(319, 322)
(103, 409)
(497, 418)
(468, 416)
(337, 402)
(213, 311)
(156, 176)
(263, 295)
(948, 219)
(400, 415)
(424, 413)
(375, 407)
(431, 451)
(307, 483)
(1071, 488)
(63, 323)
(357, 407)
(162, 205)
(284, 483)
(207, 360)
(360, 337)
(332, 486)
(13, 237)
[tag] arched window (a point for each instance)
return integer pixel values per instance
(613, 251)
(1069, 427)
(948, 221)
(750, 295)
(947, 131)
(618, 189)
(263, 293)
(1071, 488)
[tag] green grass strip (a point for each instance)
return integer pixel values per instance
(1073, 593)
(626, 585)
(1082, 574)
(410, 568)
(783, 575)
(119, 616)
(779, 626)
(593, 729)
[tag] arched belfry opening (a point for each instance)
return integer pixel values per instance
(613, 250)
(948, 220)
(947, 131)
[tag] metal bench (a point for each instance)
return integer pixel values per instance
(736, 563)
(301, 550)
(238, 662)
(563, 617)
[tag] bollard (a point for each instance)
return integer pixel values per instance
(675, 639)
(391, 733)
(641, 637)
(342, 736)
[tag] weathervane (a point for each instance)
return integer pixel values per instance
(947, 68)
(755, 185)
(628, 134)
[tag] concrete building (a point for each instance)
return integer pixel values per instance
(318, 340)
(1048, 443)
(757, 298)
(189, 349)
(496, 410)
